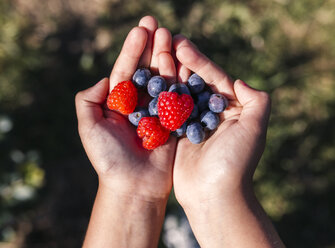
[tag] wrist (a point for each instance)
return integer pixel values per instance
(214, 205)
(210, 195)
(214, 201)
(233, 220)
(130, 199)
(135, 189)
(122, 220)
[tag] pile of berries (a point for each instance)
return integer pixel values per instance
(184, 109)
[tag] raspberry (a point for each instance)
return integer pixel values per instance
(123, 98)
(174, 109)
(152, 132)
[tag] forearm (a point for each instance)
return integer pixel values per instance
(237, 220)
(124, 221)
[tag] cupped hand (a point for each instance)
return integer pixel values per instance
(109, 139)
(226, 160)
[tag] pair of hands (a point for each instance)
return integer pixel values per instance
(214, 171)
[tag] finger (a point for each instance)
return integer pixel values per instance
(183, 73)
(162, 44)
(188, 55)
(256, 106)
(126, 63)
(89, 103)
(150, 24)
(167, 68)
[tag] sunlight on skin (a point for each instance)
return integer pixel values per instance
(213, 180)
(222, 147)
(206, 176)
(131, 179)
(116, 132)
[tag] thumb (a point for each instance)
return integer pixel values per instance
(256, 106)
(89, 103)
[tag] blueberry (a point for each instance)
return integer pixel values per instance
(180, 89)
(180, 131)
(156, 85)
(217, 103)
(195, 83)
(153, 110)
(202, 100)
(195, 132)
(141, 77)
(195, 113)
(137, 115)
(209, 120)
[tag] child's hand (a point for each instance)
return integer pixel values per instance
(110, 141)
(226, 160)
(134, 183)
(213, 180)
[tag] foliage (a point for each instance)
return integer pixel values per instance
(49, 50)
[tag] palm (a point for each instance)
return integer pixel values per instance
(119, 155)
(111, 141)
(224, 158)
(212, 160)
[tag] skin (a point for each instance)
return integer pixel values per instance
(212, 180)
(134, 183)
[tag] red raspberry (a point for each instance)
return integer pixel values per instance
(152, 132)
(123, 98)
(174, 109)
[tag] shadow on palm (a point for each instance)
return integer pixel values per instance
(110, 140)
(230, 153)
(124, 138)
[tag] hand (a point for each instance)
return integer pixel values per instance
(110, 141)
(213, 180)
(226, 160)
(134, 183)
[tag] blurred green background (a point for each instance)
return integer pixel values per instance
(51, 49)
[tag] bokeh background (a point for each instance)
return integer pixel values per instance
(51, 49)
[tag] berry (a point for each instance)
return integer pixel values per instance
(141, 77)
(180, 131)
(195, 132)
(137, 115)
(153, 110)
(151, 131)
(195, 113)
(180, 89)
(174, 109)
(202, 100)
(156, 85)
(123, 97)
(195, 83)
(209, 120)
(217, 103)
